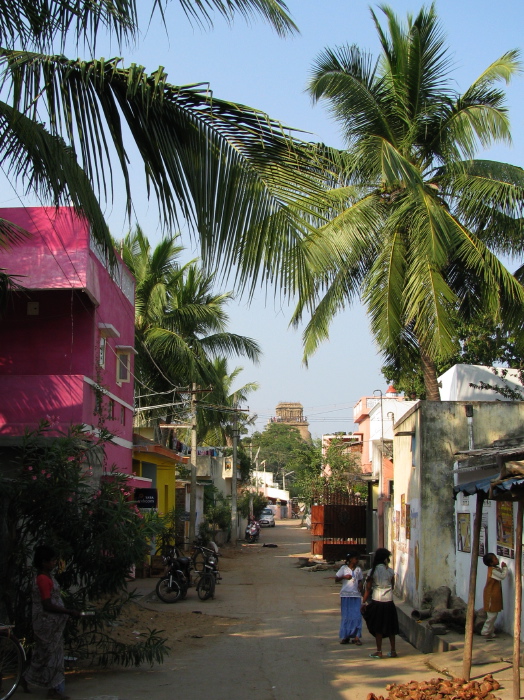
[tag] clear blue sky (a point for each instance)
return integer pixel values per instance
(251, 65)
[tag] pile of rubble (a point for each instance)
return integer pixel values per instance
(440, 689)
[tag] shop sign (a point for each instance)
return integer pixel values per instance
(146, 498)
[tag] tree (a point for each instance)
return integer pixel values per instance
(339, 472)
(415, 218)
(226, 169)
(181, 330)
(49, 497)
(480, 342)
(216, 413)
(278, 443)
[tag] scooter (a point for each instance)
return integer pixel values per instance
(252, 532)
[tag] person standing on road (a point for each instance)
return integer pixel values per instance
(493, 593)
(381, 614)
(350, 600)
(49, 619)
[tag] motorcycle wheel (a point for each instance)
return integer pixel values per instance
(206, 586)
(199, 561)
(168, 590)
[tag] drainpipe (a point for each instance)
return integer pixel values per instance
(469, 416)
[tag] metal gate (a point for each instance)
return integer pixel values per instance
(338, 526)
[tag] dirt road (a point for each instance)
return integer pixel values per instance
(275, 637)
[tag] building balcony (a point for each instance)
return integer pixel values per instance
(363, 407)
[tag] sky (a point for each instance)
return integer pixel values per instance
(250, 64)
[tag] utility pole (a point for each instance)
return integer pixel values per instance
(192, 495)
(234, 518)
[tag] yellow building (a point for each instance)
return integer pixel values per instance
(160, 464)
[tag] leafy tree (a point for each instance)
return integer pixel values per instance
(277, 444)
(259, 503)
(339, 473)
(50, 497)
(415, 218)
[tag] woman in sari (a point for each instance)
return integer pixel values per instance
(49, 618)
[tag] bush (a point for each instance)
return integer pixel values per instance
(98, 531)
(259, 503)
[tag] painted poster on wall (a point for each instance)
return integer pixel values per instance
(397, 525)
(463, 532)
(403, 511)
(408, 521)
(483, 541)
(505, 540)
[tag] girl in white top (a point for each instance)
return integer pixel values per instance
(381, 614)
(350, 600)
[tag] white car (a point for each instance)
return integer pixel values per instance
(267, 519)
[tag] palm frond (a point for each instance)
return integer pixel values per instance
(40, 22)
(223, 167)
(48, 167)
(274, 11)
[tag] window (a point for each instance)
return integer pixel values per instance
(111, 410)
(122, 415)
(123, 367)
(102, 355)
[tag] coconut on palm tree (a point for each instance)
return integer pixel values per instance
(416, 219)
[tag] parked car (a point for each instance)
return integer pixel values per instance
(267, 519)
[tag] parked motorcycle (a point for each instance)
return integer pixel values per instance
(252, 531)
(174, 584)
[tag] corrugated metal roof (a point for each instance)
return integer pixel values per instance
(506, 489)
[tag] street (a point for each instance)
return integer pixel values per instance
(283, 643)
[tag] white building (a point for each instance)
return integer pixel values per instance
(455, 384)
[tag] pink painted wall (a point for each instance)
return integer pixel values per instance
(45, 358)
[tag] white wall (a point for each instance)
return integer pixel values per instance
(463, 561)
(455, 383)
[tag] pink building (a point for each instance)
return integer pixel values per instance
(66, 343)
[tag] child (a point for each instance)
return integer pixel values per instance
(350, 600)
(493, 593)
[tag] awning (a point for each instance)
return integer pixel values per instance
(494, 489)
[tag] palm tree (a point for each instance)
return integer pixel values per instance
(181, 323)
(217, 409)
(226, 169)
(415, 218)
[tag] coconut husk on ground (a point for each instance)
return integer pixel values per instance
(441, 689)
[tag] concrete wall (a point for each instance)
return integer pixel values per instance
(489, 533)
(426, 552)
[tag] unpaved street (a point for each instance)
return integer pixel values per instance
(282, 643)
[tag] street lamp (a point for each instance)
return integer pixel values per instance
(284, 474)
(234, 518)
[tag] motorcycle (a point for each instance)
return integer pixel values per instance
(177, 579)
(252, 532)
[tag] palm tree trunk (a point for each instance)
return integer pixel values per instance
(429, 370)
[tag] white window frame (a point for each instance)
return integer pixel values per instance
(120, 355)
(102, 351)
